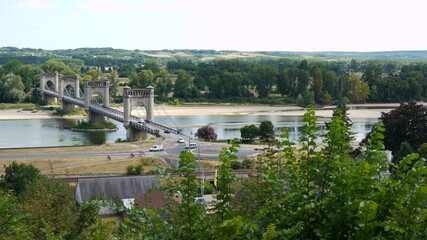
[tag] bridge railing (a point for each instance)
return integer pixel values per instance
(172, 130)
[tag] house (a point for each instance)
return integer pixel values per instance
(126, 188)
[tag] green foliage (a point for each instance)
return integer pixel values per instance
(86, 125)
(76, 111)
(12, 224)
(18, 176)
(11, 88)
(266, 130)
(236, 165)
(249, 132)
(182, 84)
(52, 66)
(134, 170)
(405, 123)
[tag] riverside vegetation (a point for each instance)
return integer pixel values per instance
(267, 80)
(313, 192)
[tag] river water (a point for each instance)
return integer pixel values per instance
(56, 132)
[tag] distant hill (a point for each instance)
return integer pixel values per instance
(112, 56)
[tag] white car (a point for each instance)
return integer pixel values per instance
(181, 140)
(191, 146)
(156, 148)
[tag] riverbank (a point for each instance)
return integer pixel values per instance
(356, 111)
(17, 114)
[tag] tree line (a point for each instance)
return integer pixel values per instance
(274, 81)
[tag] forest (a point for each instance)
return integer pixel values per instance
(266, 79)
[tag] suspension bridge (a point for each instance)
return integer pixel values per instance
(67, 90)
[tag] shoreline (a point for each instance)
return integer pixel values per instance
(355, 111)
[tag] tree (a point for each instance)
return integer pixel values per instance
(263, 78)
(249, 132)
(318, 85)
(114, 82)
(94, 73)
(206, 133)
(142, 79)
(372, 75)
(183, 84)
(405, 123)
(49, 203)
(266, 130)
(359, 89)
(12, 225)
(52, 66)
(30, 76)
(11, 88)
(18, 176)
(12, 66)
(163, 83)
(303, 81)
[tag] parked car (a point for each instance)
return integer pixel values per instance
(191, 146)
(156, 148)
(181, 140)
(167, 131)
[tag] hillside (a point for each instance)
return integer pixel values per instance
(111, 56)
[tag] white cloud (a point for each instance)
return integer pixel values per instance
(37, 4)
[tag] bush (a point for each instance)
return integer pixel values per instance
(235, 165)
(105, 125)
(134, 170)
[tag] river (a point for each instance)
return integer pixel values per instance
(56, 132)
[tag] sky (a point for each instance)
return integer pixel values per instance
(242, 25)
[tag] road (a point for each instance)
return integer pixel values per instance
(204, 151)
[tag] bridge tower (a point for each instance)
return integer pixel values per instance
(91, 87)
(131, 97)
(45, 79)
(64, 82)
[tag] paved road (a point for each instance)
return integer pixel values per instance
(204, 151)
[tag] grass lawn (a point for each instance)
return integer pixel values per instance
(83, 165)
(95, 148)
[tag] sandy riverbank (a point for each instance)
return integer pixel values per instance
(356, 111)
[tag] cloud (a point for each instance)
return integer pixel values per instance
(36, 4)
(110, 6)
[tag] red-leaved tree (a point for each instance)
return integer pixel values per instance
(206, 133)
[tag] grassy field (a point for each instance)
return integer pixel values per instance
(95, 148)
(5, 106)
(84, 165)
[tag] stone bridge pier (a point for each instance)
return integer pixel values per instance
(49, 81)
(74, 82)
(100, 88)
(130, 98)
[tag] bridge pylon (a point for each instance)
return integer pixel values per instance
(102, 88)
(64, 82)
(131, 97)
(45, 79)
